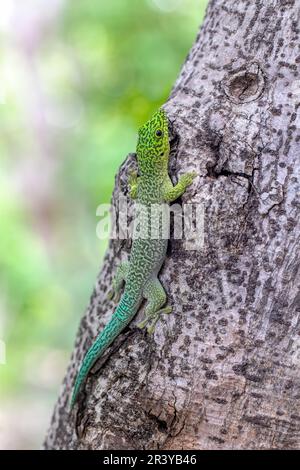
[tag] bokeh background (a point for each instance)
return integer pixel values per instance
(78, 77)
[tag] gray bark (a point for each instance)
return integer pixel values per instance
(221, 372)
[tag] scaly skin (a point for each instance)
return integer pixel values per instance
(152, 189)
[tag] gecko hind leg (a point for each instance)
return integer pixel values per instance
(118, 282)
(156, 296)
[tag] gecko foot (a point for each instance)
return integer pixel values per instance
(113, 295)
(151, 320)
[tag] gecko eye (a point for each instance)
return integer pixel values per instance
(159, 133)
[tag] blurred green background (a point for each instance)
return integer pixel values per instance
(77, 80)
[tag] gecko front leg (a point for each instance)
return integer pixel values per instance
(174, 192)
(133, 181)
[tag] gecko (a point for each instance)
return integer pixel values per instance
(150, 187)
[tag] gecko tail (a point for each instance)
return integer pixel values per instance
(118, 322)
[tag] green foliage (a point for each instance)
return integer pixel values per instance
(100, 72)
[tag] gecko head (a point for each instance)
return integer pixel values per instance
(153, 145)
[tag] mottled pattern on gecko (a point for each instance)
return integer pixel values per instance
(152, 188)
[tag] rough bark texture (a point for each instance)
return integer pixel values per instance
(222, 371)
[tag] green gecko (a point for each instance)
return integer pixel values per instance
(153, 187)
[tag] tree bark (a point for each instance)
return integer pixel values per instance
(221, 372)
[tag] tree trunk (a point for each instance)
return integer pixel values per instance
(222, 371)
